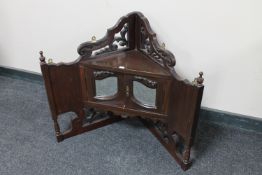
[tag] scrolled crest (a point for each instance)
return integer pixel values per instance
(150, 46)
(117, 38)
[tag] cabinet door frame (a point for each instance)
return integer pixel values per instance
(91, 75)
(124, 81)
(160, 85)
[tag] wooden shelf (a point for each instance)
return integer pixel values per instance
(122, 107)
(132, 62)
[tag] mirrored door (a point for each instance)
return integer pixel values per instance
(106, 85)
(145, 92)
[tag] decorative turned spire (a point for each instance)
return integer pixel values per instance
(199, 80)
(41, 58)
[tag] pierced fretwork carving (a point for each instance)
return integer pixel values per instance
(149, 83)
(123, 38)
(154, 50)
(172, 141)
(121, 41)
(145, 43)
(99, 75)
(92, 115)
(162, 128)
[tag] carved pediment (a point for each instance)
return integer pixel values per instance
(130, 32)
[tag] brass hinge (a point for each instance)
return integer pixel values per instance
(127, 91)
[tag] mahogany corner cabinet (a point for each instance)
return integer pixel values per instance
(127, 73)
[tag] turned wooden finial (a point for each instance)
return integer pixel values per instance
(41, 58)
(199, 80)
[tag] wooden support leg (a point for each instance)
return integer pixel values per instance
(79, 127)
(186, 158)
(59, 135)
(170, 144)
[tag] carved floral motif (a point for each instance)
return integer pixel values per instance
(149, 83)
(121, 40)
(152, 48)
(102, 74)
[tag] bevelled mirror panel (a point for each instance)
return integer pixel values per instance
(106, 87)
(143, 94)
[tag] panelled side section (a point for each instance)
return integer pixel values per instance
(63, 87)
(184, 109)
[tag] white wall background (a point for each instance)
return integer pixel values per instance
(223, 38)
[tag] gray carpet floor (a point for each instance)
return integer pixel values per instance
(28, 145)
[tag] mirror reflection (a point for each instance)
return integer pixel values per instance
(106, 87)
(143, 94)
